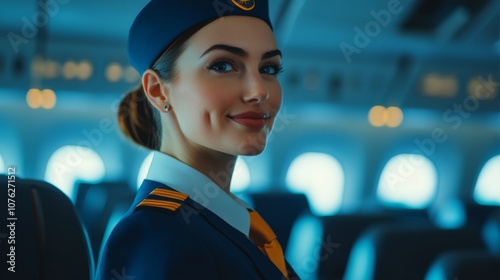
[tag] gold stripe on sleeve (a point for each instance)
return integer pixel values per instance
(169, 194)
(170, 205)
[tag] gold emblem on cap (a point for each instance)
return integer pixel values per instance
(246, 5)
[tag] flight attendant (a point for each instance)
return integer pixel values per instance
(209, 93)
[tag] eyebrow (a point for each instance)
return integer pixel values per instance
(241, 52)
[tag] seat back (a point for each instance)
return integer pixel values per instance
(46, 239)
(405, 252)
(491, 233)
(97, 204)
(344, 229)
(478, 214)
(465, 264)
(320, 246)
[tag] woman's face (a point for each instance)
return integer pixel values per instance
(226, 94)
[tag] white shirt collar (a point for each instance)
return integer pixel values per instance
(183, 178)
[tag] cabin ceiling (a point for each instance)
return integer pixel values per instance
(355, 53)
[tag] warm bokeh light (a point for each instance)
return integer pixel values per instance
(377, 116)
(439, 85)
(70, 70)
(34, 98)
(48, 98)
(381, 116)
(51, 69)
(482, 88)
(394, 116)
(37, 66)
(114, 72)
(84, 70)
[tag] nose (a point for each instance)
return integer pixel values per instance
(256, 91)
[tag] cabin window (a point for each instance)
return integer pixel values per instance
(2, 165)
(70, 164)
(408, 180)
(143, 170)
(487, 190)
(241, 176)
(321, 178)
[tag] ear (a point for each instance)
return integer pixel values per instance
(155, 89)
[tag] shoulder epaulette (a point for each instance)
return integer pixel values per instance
(164, 199)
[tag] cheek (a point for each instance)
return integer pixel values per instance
(206, 104)
(216, 97)
(275, 97)
(215, 102)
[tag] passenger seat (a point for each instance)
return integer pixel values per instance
(46, 239)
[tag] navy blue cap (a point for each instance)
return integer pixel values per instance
(161, 21)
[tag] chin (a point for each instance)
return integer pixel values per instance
(253, 153)
(250, 148)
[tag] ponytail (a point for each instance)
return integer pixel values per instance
(138, 120)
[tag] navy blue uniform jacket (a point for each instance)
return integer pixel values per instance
(186, 241)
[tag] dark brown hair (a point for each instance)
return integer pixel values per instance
(138, 119)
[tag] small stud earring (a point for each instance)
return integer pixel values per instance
(167, 107)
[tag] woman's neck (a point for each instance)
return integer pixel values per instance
(215, 165)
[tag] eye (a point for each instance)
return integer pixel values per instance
(222, 66)
(272, 70)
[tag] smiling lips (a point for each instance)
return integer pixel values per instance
(253, 120)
